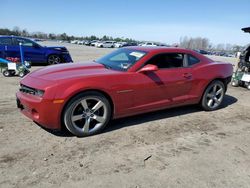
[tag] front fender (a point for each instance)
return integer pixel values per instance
(70, 89)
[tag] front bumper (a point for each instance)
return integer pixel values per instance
(67, 58)
(42, 111)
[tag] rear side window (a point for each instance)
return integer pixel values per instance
(5, 41)
(192, 60)
(168, 60)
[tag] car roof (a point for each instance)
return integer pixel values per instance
(163, 49)
(159, 48)
(12, 36)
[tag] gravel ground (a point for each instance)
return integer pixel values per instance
(181, 147)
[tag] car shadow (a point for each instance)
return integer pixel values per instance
(147, 117)
(162, 114)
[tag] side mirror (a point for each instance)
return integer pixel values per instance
(148, 68)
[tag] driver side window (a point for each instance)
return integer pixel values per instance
(167, 60)
(25, 42)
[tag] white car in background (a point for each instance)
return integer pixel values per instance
(81, 42)
(120, 44)
(149, 44)
(106, 44)
(94, 42)
(74, 41)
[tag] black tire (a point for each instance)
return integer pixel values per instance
(213, 96)
(6, 73)
(21, 74)
(54, 59)
(235, 83)
(82, 107)
(248, 86)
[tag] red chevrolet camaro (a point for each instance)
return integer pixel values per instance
(83, 97)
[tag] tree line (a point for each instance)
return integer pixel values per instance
(204, 44)
(52, 36)
(185, 42)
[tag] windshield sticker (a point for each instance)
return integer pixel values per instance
(136, 54)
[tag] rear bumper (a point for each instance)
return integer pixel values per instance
(44, 112)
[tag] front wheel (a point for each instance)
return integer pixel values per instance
(87, 114)
(213, 96)
(54, 59)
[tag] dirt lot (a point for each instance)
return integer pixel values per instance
(182, 147)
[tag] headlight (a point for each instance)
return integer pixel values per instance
(31, 91)
(39, 93)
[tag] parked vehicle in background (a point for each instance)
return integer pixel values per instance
(120, 44)
(81, 42)
(130, 44)
(33, 52)
(129, 81)
(148, 44)
(87, 43)
(74, 41)
(94, 42)
(106, 44)
(204, 52)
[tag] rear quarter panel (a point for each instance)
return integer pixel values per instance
(204, 74)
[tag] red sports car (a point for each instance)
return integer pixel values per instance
(83, 97)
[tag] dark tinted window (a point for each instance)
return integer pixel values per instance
(192, 60)
(169, 60)
(5, 41)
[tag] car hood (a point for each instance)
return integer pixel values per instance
(71, 71)
(60, 48)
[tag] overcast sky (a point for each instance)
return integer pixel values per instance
(153, 20)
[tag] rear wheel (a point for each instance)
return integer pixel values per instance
(6, 73)
(248, 86)
(21, 74)
(213, 96)
(87, 114)
(54, 59)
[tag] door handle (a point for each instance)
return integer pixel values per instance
(187, 75)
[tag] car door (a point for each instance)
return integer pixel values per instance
(31, 50)
(170, 85)
(6, 47)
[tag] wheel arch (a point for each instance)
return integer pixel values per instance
(225, 81)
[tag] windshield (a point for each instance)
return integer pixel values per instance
(121, 59)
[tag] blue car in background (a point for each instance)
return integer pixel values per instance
(33, 52)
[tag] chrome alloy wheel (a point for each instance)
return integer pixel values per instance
(88, 115)
(54, 59)
(214, 96)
